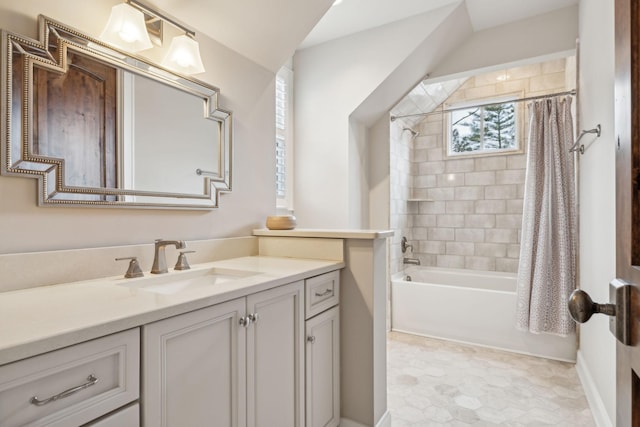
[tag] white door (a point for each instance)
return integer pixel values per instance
(194, 369)
(323, 369)
(275, 361)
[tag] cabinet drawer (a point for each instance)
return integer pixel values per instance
(73, 385)
(321, 292)
(127, 417)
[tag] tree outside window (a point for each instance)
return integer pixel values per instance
(489, 128)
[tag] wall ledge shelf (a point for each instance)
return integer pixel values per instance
(420, 200)
(326, 233)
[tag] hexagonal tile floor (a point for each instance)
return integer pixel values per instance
(439, 383)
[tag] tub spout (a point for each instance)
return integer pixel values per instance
(412, 261)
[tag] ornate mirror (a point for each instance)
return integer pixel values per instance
(99, 127)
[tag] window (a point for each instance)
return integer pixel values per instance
(490, 128)
(284, 140)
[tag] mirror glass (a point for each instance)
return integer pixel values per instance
(99, 127)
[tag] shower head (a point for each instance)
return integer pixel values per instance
(413, 132)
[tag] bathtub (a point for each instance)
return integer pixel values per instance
(475, 307)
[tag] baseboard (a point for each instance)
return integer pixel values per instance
(598, 410)
(346, 422)
(385, 421)
(491, 347)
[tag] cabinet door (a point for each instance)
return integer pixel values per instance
(323, 369)
(127, 417)
(194, 369)
(275, 363)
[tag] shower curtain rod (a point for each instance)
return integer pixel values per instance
(448, 110)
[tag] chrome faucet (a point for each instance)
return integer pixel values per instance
(412, 261)
(159, 258)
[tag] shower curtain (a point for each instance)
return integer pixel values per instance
(547, 268)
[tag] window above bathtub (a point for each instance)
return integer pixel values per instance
(487, 127)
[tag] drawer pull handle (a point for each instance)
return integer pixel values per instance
(91, 380)
(325, 293)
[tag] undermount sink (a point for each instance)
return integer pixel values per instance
(176, 281)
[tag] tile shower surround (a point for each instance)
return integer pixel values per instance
(473, 215)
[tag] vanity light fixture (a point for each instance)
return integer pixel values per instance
(184, 55)
(130, 25)
(126, 29)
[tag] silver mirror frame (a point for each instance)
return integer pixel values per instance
(50, 171)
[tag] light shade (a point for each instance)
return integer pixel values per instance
(126, 29)
(184, 56)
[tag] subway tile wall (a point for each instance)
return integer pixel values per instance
(401, 183)
(466, 212)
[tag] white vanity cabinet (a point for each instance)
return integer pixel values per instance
(74, 385)
(236, 364)
(322, 350)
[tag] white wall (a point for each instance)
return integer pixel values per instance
(332, 80)
(529, 38)
(246, 88)
(596, 357)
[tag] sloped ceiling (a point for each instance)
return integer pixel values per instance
(453, 30)
(352, 16)
(492, 13)
(265, 31)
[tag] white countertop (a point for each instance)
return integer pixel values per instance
(37, 320)
(328, 233)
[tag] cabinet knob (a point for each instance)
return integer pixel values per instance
(311, 339)
(245, 321)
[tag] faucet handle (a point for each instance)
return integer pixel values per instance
(404, 245)
(134, 267)
(182, 263)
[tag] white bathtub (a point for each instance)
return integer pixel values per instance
(475, 307)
